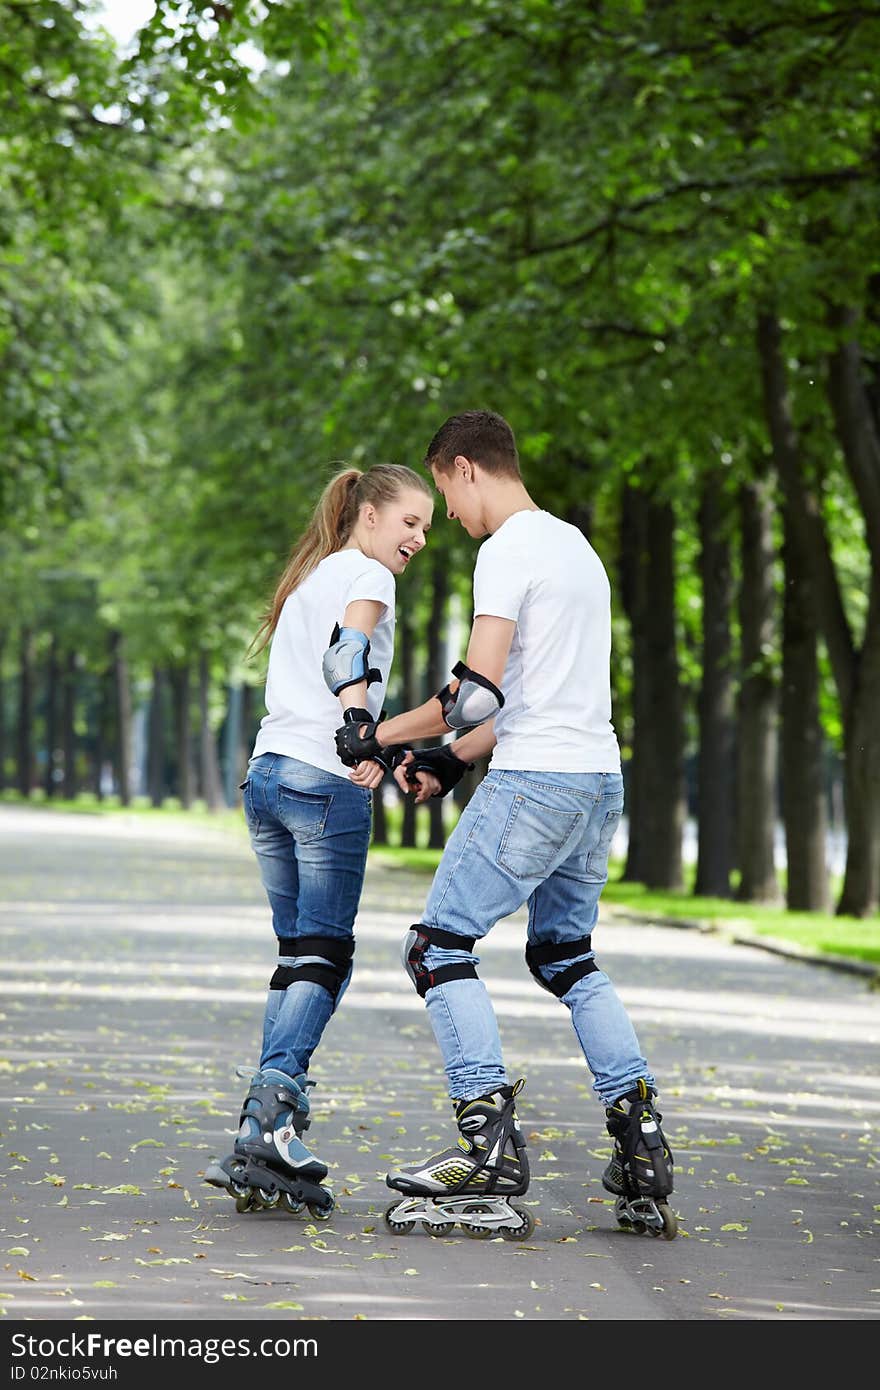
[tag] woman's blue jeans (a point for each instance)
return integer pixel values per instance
(540, 838)
(310, 832)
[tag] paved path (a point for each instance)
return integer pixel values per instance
(135, 957)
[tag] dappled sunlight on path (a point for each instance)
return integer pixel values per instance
(133, 977)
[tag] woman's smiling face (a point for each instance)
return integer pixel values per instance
(398, 530)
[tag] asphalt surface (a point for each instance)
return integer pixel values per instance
(135, 957)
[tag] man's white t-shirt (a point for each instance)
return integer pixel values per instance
(543, 574)
(303, 714)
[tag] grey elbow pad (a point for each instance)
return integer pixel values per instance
(475, 700)
(345, 660)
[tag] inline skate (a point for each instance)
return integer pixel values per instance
(270, 1166)
(640, 1172)
(470, 1183)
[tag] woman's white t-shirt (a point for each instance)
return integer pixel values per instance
(303, 714)
(543, 574)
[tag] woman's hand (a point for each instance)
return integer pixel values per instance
(367, 774)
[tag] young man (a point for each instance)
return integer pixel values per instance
(534, 691)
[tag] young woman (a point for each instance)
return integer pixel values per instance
(331, 627)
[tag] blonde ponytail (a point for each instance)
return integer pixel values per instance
(331, 526)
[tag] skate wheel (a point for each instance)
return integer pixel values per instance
(519, 1232)
(234, 1180)
(670, 1225)
(397, 1228)
(441, 1229)
(266, 1199)
(291, 1204)
(474, 1232)
(322, 1213)
(245, 1202)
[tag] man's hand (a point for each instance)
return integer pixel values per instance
(423, 784)
(440, 764)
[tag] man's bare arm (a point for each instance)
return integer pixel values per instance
(487, 654)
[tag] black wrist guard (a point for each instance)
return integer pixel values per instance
(441, 763)
(390, 757)
(354, 748)
(353, 715)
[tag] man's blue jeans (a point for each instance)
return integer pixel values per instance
(310, 831)
(540, 838)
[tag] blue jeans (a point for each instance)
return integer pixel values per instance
(541, 838)
(310, 832)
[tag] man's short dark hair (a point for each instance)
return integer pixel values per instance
(479, 435)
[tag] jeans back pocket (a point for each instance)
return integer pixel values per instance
(535, 838)
(597, 858)
(304, 814)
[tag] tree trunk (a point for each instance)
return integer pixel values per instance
(580, 514)
(715, 705)
(469, 782)
(861, 885)
(380, 820)
(410, 700)
(25, 726)
(856, 674)
(3, 636)
(103, 710)
(436, 823)
(855, 423)
(656, 784)
(209, 767)
(232, 738)
(156, 754)
(180, 684)
(807, 527)
(859, 439)
(631, 546)
(248, 731)
(757, 744)
(68, 726)
(122, 689)
(52, 684)
(803, 799)
(437, 678)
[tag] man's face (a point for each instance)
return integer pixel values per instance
(457, 486)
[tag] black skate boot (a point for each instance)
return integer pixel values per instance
(471, 1182)
(270, 1166)
(640, 1172)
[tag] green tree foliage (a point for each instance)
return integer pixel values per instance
(224, 274)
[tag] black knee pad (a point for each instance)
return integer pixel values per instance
(330, 972)
(416, 943)
(561, 983)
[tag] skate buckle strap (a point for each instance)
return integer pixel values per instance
(443, 975)
(416, 943)
(329, 972)
(554, 951)
(336, 948)
(646, 1158)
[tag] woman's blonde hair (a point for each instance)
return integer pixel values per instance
(331, 526)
